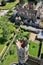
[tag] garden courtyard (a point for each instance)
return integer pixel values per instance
(11, 55)
(9, 5)
(8, 31)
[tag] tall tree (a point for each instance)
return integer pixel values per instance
(1, 33)
(6, 29)
(35, 1)
(11, 0)
(23, 1)
(3, 2)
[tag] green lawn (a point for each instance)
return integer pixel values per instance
(33, 49)
(10, 58)
(26, 33)
(1, 47)
(42, 48)
(9, 5)
(0, 0)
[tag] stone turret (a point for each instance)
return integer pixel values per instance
(22, 49)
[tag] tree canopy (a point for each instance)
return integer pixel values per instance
(23, 1)
(6, 29)
(23, 35)
(3, 2)
(11, 0)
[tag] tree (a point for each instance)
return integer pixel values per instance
(6, 29)
(35, 1)
(3, 2)
(22, 35)
(1, 33)
(23, 1)
(11, 0)
(12, 18)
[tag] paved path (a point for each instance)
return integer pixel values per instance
(3, 12)
(32, 37)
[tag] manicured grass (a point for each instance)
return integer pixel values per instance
(9, 5)
(33, 49)
(10, 58)
(1, 47)
(42, 48)
(0, 0)
(26, 33)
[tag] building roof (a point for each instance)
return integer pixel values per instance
(40, 35)
(25, 11)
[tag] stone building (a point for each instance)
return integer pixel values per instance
(41, 62)
(22, 50)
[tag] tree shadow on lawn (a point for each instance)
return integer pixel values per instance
(2, 41)
(10, 1)
(42, 56)
(2, 5)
